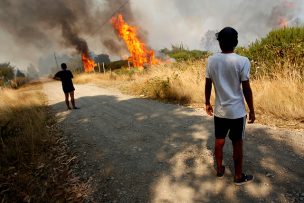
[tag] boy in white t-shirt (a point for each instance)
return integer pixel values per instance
(229, 73)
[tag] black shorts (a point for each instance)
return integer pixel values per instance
(68, 88)
(234, 128)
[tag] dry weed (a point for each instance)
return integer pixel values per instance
(279, 101)
(34, 161)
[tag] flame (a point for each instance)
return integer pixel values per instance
(283, 22)
(140, 54)
(88, 63)
(289, 4)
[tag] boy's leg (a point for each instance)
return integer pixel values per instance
(72, 99)
(221, 129)
(218, 152)
(67, 100)
(236, 135)
(239, 177)
(238, 157)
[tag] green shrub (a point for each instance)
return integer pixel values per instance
(6, 71)
(280, 50)
(156, 88)
(179, 53)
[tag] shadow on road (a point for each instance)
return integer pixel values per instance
(137, 150)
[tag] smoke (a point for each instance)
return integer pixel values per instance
(33, 22)
(191, 22)
(31, 29)
(113, 43)
(109, 40)
(45, 26)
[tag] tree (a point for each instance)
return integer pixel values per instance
(102, 58)
(165, 51)
(180, 53)
(7, 72)
(19, 74)
(209, 41)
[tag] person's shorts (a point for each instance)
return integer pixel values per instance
(234, 128)
(68, 88)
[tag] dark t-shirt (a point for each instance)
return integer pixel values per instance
(66, 79)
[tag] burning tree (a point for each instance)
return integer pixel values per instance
(283, 14)
(88, 63)
(140, 53)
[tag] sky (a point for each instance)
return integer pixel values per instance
(32, 30)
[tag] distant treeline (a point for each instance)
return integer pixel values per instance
(180, 53)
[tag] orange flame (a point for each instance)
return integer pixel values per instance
(283, 22)
(140, 54)
(88, 63)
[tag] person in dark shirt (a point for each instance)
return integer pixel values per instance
(65, 76)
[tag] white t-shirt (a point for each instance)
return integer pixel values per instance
(227, 71)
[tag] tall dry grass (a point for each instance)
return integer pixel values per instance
(33, 160)
(110, 79)
(278, 99)
(177, 82)
(22, 116)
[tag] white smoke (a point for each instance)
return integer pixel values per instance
(187, 22)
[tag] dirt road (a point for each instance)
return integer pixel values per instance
(137, 150)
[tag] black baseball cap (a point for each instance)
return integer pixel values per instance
(227, 33)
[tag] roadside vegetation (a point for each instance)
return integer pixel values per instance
(34, 163)
(180, 53)
(276, 77)
(280, 52)
(11, 77)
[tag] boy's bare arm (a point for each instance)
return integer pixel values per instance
(208, 88)
(249, 100)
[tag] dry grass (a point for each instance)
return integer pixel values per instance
(21, 112)
(34, 164)
(179, 82)
(278, 100)
(104, 80)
